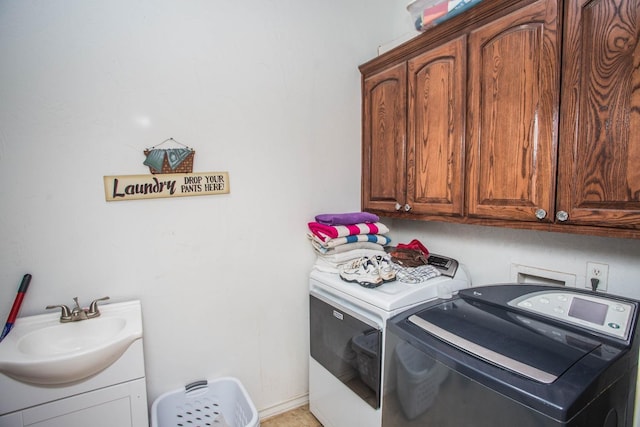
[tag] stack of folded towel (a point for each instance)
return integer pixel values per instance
(344, 237)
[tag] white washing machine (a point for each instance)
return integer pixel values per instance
(347, 333)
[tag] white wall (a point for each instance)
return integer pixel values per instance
(266, 90)
(490, 252)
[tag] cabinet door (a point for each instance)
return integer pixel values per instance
(512, 115)
(435, 145)
(384, 138)
(599, 168)
(121, 405)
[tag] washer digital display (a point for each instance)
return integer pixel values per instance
(589, 311)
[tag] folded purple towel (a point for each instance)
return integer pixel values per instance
(346, 218)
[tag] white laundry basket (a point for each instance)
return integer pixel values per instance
(223, 402)
(419, 379)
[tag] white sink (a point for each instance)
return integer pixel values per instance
(41, 350)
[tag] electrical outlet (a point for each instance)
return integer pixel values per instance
(599, 272)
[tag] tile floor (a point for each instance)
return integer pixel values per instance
(299, 417)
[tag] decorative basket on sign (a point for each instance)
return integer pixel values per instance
(169, 160)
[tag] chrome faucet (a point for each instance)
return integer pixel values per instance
(93, 308)
(78, 313)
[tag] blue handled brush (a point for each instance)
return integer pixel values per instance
(16, 305)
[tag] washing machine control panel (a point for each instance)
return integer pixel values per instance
(601, 314)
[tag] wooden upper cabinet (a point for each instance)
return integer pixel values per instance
(599, 164)
(435, 143)
(413, 135)
(512, 115)
(516, 113)
(384, 136)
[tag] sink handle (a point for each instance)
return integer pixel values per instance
(93, 308)
(65, 315)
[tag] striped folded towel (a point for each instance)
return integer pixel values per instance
(332, 243)
(325, 232)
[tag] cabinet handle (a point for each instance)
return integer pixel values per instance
(407, 207)
(541, 213)
(562, 216)
(398, 206)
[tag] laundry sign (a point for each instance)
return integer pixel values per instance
(136, 187)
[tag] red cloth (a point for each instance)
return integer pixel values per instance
(414, 244)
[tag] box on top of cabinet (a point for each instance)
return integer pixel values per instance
(427, 13)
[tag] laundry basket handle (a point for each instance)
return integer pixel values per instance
(196, 385)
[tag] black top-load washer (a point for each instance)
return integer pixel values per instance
(513, 355)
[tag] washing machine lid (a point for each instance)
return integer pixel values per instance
(526, 346)
(389, 297)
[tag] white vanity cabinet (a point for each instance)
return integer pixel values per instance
(122, 405)
(116, 396)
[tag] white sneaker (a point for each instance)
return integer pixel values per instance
(362, 271)
(385, 268)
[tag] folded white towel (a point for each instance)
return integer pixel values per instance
(331, 263)
(343, 257)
